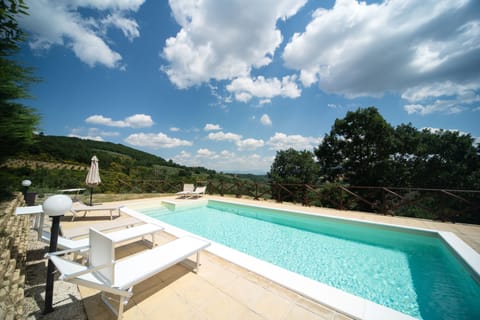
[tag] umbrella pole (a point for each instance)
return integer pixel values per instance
(91, 192)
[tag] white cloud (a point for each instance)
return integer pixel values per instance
(265, 120)
(241, 144)
(221, 136)
(225, 161)
(245, 88)
(250, 144)
(281, 141)
(92, 134)
(447, 97)
(135, 121)
(64, 23)
(129, 27)
(223, 39)
(365, 49)
(155, 140)
(212, 127)
(108, 4)
(205, 153)
(95, 138)
(174, 129)
(447, 106)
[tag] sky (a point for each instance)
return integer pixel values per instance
(226, 84)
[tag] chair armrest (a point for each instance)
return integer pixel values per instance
(62, 252)
(67, 277)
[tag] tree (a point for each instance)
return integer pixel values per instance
(358, 147)
(17, 121)
(444, 159)
(292, 167)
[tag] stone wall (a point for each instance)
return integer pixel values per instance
(13, 256)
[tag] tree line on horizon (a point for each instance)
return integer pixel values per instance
(363, 149)
(366, 164)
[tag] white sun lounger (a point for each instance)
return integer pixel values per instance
(187, 190)
(116, 237)
(76, 209)
(103, 226)
(118, 277)
(198, 192)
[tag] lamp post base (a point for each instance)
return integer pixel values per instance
(51, 267)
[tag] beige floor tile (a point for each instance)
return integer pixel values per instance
(174, 272)
(195, 290)
(322, 311)
(272, 307)
(298, 312)
(217, 274)
(171, 306)
(161, 298)
(221, 306)
(250, 315)
(134, 313)
(146, 289)
(245, 291)
(339, 316)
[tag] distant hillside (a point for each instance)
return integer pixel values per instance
(75, 150)
(56, 162)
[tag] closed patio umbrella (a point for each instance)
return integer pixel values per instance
(93, 176)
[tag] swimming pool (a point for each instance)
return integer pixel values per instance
(411, 271)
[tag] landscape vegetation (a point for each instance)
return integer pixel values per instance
(362, 150)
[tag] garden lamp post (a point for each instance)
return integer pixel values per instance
(55, 207)
(25, 185)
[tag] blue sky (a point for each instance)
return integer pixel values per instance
(226, 84)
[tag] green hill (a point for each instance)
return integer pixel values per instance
(56, 162)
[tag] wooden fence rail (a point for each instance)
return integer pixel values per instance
(441, 204)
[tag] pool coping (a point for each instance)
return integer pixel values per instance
(334, 298)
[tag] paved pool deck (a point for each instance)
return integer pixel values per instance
(223, 290)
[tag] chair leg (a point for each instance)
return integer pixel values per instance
(197, 266)
(121, 303)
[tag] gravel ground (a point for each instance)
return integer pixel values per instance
(67, 301)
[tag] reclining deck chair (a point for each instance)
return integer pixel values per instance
(187, 190)
(119, 277)
(84, 230)
(76, 209)
(198, 192)
(116, 236)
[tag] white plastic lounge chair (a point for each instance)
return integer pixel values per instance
(118, 277)
(116, 237)
(104, 226)
(187, 190)
(83, 207)
(198, 192)
(37, 211)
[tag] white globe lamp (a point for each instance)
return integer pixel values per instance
(55, 207)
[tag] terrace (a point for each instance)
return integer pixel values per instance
(222, 289)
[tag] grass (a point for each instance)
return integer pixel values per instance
(106, 197)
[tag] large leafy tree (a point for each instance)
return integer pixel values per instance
(292, 169)
(443, 159)
(358, 148)
(17, 121)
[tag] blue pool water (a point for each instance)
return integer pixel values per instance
(411, 272)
